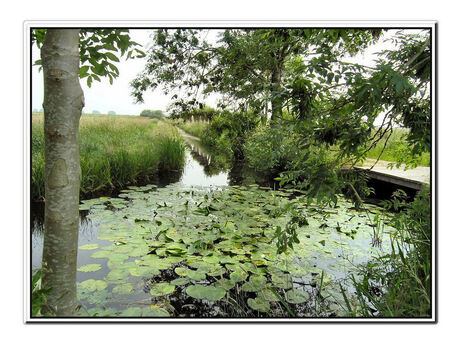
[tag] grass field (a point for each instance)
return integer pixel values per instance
(114, 151)
(395, 148)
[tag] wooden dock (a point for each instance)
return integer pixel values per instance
(411, 178)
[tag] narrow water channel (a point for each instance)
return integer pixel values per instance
(196, 172)
(230, 212)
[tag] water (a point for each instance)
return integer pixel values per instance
(196, 172)
(205, 183)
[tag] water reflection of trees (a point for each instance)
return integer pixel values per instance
(213, 162)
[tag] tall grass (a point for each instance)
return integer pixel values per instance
(195, 128)
(114, 151)
(396, 148)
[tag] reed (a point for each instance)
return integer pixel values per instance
(115, 151)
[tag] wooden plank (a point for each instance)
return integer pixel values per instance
(411, 178)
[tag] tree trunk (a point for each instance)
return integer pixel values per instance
(63, 103)
(275, 94)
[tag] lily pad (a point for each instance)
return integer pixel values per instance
(210, 293)
(125, 288)
(161, 289)
(89, 247)
(92, 285)
(259, 304)
(255, 284)
(90, 268)
(296, 296)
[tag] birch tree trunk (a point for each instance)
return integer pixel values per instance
(63, 103)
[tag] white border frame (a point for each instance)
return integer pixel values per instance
(28, 25)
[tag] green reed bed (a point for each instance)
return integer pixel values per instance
(115, 151)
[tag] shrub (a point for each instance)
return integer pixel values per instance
(228, 131)
(271, 148)
(155, 114)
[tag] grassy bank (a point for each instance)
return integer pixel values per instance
(114, 151)
(396, 148)
(195, 128)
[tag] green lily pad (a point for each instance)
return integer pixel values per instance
(259, 304)
(255, 283)
(90, 268)
(92, 285)
(131, 312)
(210, 293)
(125, 288)
(238, 276)
(161, 289)
(180, 281)
(99, 297)
(101, 254)
(155, 311)
(225, 283)
(282, 281)
(296, 296)
(89, 247)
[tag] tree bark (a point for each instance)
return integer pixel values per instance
(275, 91)
(63, 103)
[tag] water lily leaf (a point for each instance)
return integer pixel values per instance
(225, 283)
(161, 289)
(282, 281)
(90, 268)
(101, 254)
(296, 296)
(122, 289)
(267, 295)
(255, 283)
(210, 293)
(259, 304)
(131, 312)
(117, 276)
(238, 276)
(155, 311)
(99, 297)
(180, 281)
(92, 285)
(89, 247)
(117, 257)
(144, 271)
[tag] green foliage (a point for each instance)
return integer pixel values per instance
(155, 114)
(228, 131)
(271, 148)
(38, 294)
(197, 129)
(96, 51)
(248, 66)
(114, 154)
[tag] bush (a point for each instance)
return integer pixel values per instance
(228, 131)
(155, 114)
(271, 148)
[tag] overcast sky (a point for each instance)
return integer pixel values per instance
(104, 97)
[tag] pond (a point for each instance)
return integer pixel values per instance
(202, 245)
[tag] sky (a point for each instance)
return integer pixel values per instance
(104, 97)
